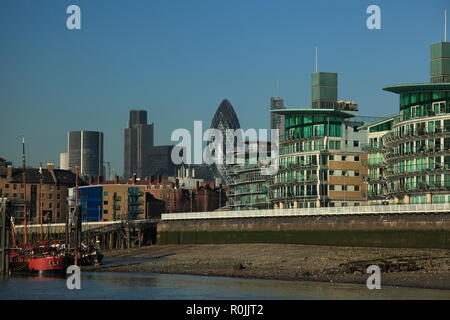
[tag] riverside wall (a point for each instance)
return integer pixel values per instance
(412, 230)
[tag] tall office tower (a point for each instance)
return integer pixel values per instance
(276, 120)
(139, 136)
(225, 118)
(85, 150)
(440, 62)
(324, 90)
(64, 161)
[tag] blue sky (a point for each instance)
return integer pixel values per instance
(179, 59)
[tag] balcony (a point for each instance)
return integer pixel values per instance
(419, 188)
(392, 137)
(415, 170)
(392, 156)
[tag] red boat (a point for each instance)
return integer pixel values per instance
(42, 258)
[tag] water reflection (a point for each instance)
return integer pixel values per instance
(121, 286)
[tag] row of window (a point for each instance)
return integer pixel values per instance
(48, 187)
(421, 164)
(344, 158)
(343, 187)
(344, 173)
(421, 128)
(421, 183)
(294, 191)
(407, 99)
(375, 158)
(422, 146)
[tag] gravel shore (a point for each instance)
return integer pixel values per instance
(419, 268)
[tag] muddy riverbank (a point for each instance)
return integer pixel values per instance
(420, 268)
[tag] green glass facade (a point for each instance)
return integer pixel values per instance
(417, 148)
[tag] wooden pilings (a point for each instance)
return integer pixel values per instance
(4, 238)
(109, 236)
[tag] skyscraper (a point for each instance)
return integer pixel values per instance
(225, 118)
(276, 120)
(85, 149)
(139, 136)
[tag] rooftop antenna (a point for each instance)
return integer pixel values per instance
(445, 26)
(317, 61)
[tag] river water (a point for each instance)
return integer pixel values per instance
(105, 285)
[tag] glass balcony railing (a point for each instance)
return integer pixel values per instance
(395, 135)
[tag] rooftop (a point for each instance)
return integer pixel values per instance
(414, 87)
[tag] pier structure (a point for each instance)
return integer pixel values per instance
(102, 235)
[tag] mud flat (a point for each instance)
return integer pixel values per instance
(419, 268)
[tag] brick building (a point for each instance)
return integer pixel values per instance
(46, 192)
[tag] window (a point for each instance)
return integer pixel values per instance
(58, 205)
(356, 143)
(58, 196)
(344, 188)
(344, 173)
(343, 158)
(331, 172)
(331, 187)
(105, 202)
(14, 186)
(356, 188)
(105, 193)
(50, 196)
(331, 158)
(50, 205)
(356, 204)
(58, 214)
(356, 158)
(7, 186)
(356, 173)
(105, 211)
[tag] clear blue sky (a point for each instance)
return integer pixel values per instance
(179, 59)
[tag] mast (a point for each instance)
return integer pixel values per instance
(76, 217)
(40, 202)
(25, 236)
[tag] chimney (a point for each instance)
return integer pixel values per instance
(50, 166)
(116, 179)
(9, 171)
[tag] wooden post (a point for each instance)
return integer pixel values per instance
(111, 236)
(140, 236)
(4, 240)
(128, 236)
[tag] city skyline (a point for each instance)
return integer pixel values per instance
(121, 79)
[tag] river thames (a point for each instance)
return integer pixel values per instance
(125, 286)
